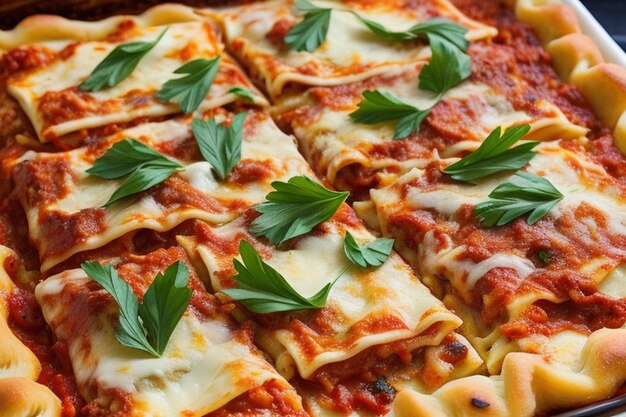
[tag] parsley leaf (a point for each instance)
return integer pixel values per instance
(449, 64)
(309, 34)
(189, 91)
(380, 106)
(524, 193)
(435, 28)
(243, 93)
(130, 333)
(118, 64)
(447, 67)
(545, 256)
(262, 289)
(295, 208)
(163, 305)
(494, 155)
(382, 32)
(374, 253)
(144, 166)
(220, 146)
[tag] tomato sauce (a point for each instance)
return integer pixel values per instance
(269, 399)
(61, 231)
(43, 181)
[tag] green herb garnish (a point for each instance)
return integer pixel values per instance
(380, 106)
(118, 64)
(262, 289)
(189, 91)
(220, 146)
(374, 253)
(545, 256)
(147, 326)
(295, 208)
(431, 29)
(494, 155)
(447, 68)
(309, 34)
(449, 64)
(523, 194)
(144, 166)
(243, 93)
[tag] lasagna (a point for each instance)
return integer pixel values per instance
(311, 208)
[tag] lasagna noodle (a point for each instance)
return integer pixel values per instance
(63, 203)
(206, 364)
(331, 140)
(50, 96)
(20, 395)
(583, 233)
(367, 308)
(255, 34)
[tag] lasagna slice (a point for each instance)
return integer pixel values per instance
(357, 156)
(64, 204)
(516, 286)
(48, 88)
(256, 35)
(207, 363)
(373, 315)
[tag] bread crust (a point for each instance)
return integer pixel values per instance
(21, 397)
(16, 360)
(604, 86)
(572, 54)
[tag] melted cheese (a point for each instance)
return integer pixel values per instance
(131, 98)
(389, 294)
(21, 397)
(350, 48)
(331, 140)
(614, 284)
(522, 266)
(203, 367)
(262, 143)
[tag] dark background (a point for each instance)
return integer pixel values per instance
(612, 15)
